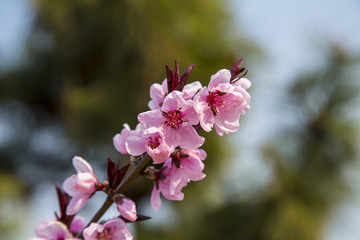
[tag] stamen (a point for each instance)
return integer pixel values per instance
(154, 142)
(173, 119)
(104, 235)
(215, 101)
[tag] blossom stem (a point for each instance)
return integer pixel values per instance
(108, 202)
(133, 174)
(129, 178)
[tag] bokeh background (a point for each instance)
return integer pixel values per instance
(72, 72)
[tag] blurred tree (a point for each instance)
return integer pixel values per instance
(87, 70)
(89, 65)
(307, 161)
(12, 211)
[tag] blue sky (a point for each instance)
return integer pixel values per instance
(15, 21)
(292, 34)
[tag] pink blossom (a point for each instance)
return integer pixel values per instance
(119, 139)
(53, 230)
(77, 225)
(175, 119)
(164, 184)
(221, 103)
(186, 165)
(241, 85)
(158, 93)
(126, 208)
(191, 89)
(81, 186)
(150, 141)
(115, 229)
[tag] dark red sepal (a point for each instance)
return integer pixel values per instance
(121, 173)
(175, 77)
(184, 77)
(169, 77)
(64, 200)
(115, 175)
(140, 218)
(111, 172)
(236, 70)
(172, 77)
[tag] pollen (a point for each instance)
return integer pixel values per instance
(104, 235)
(153, 142)
(173, 119)
(216, 101)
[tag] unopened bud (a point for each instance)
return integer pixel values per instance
(135, 160)
(117, 198)
(150, 172)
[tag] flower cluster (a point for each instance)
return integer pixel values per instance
(166, 146)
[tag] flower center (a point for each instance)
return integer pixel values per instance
(173, 118)
(154, 142)
(215, 100)
(104, 235)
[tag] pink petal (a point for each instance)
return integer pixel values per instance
(172, 137)
(193, 168)
(57, 230)
(189, 114)
(157, 96)
(91, 232)
(190, 89)
(164, 86)
(224, 87)
(77, 203)
(119, 143)
(150, 131)
(159, 154)
(173, 101)
(227, 118)
(138, 130)
(119, 139)
(40, 228)
(77, 224)
(205, 114)
(175, 180)
(69, 185)
(127, 209)
(118, 229)
(155, 199)
(243, 83)
(207, 119)
(222, 76)
(223, 126)
(86, 183)
(81, 165)
(177, 195)
(200, 99)
(202, 154)
(135, 145)
(162, 151)
(190, 139)
(165, 185)
(152, 118)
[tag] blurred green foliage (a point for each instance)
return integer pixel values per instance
(87, 70)
(89, 66)
(12, 212)
(307, 162)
